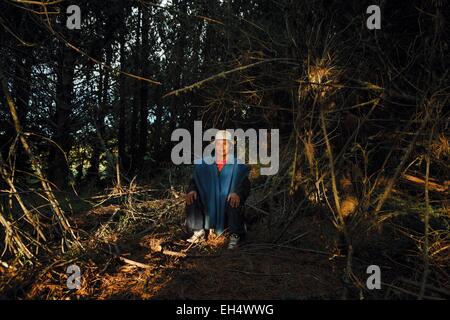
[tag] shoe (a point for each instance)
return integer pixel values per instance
(198, 236)
(212, 234)
(234, 241)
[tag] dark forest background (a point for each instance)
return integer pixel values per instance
(86, 118)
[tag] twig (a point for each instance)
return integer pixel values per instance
(295, 238)
(198, 84)
(426, 245)
(273, 245)
(257, 209)
(260, 274)
(408, 292)
(428, 286)
(399, 169)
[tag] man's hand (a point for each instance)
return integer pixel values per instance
(190, 197)
(234, 200)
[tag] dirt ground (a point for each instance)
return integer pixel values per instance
(128, 257)
(160, 264)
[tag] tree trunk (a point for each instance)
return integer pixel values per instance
(143, 130)
(58, 166)
(121, 134)
(136, 102)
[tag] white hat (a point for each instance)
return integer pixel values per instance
(223, 135)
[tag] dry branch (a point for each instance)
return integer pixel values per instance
(61, 218)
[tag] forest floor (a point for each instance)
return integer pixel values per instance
(157, 262)
(139, 251)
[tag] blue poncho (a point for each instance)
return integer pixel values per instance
(214, 188)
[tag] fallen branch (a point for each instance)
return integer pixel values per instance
(155, 245)
(134, 263)
(158, 248)
(126, 260)
(432, 184)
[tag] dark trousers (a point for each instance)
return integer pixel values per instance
(234, 218)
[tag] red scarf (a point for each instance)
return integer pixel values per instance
(221, 163)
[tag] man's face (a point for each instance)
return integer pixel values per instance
(222, 147)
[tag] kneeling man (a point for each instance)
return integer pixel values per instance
(217, 193)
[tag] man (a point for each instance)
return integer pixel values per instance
(217, 193)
